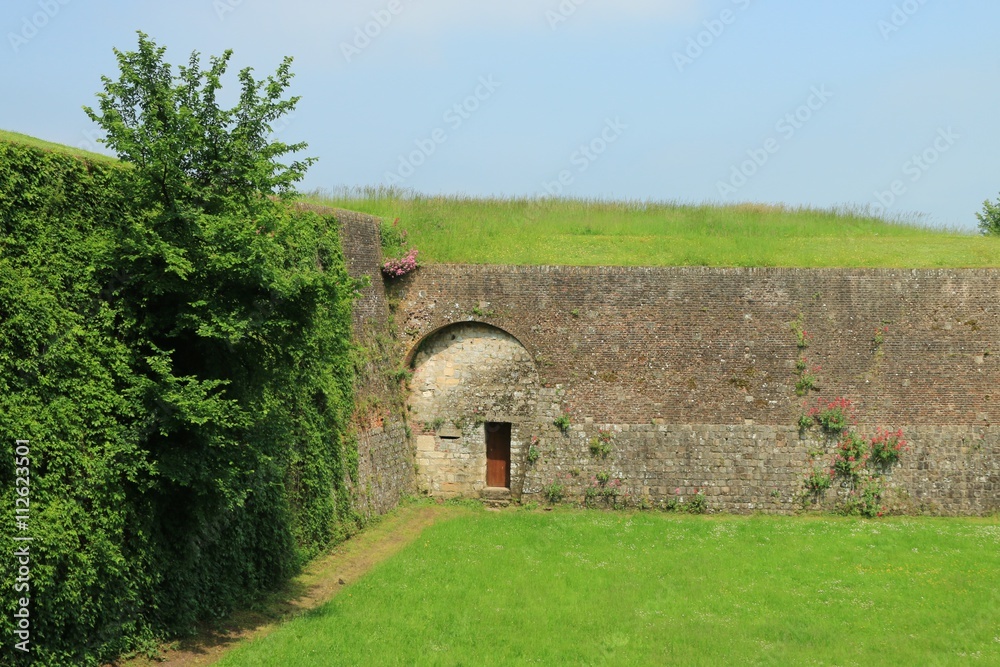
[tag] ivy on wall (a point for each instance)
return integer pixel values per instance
(185, 405)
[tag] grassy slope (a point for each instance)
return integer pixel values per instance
(17, 138)
(580, 232)
(531, 231)
(575, 588)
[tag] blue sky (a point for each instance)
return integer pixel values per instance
(887, 103)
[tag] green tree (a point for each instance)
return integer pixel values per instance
(200, 275)
(188, 152)
(989, 219)
(234, 312)
(175, 343)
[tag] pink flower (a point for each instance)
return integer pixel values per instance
(394, 268)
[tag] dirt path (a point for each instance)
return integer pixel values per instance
(320, 582)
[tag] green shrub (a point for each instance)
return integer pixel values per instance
(533, 454)
(601, 444)
(802, 337)
(852, 455)
(833, 416)
(886, 447)
(859, 464)
(866, 499)
(554, 492)
(807, 377)
(181, 367)
(698, 504)
(989, 219)
(562, 423)
(818, 481)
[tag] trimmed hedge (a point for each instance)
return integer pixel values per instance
(186, 405)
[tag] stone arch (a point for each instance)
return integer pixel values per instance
(421, 343)
(466, 375)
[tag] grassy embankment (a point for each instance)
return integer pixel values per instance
(582, 588)
(495, 230)
(579, 232)
(24, 139)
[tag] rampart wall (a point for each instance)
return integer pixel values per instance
(385, 457)
(694, 372)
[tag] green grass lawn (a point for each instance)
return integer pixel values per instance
(579, 232)
(596, 588)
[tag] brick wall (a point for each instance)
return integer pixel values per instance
(385, 457)
(696, 369)
(753, 468)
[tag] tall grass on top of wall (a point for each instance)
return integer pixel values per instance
(519, 230)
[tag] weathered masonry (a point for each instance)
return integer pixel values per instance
(474, 401)
(385, 459)
(676, 380)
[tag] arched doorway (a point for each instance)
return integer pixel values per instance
(472, 403)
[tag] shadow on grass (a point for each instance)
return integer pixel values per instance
(319, 582)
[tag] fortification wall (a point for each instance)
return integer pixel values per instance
(385, 457)
(694, 370)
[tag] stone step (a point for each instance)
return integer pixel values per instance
(495, 496)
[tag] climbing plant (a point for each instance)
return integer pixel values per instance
(175, 344)
(859, 464)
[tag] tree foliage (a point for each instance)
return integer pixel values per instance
(989, 219)
(189, 153)
(175, 343)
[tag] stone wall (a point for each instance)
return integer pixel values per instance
(385, 456)
(694, 372)
(385, 467)
(756, 468)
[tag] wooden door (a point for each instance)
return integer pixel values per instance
(498, 454)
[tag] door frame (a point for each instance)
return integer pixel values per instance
(501, 440)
